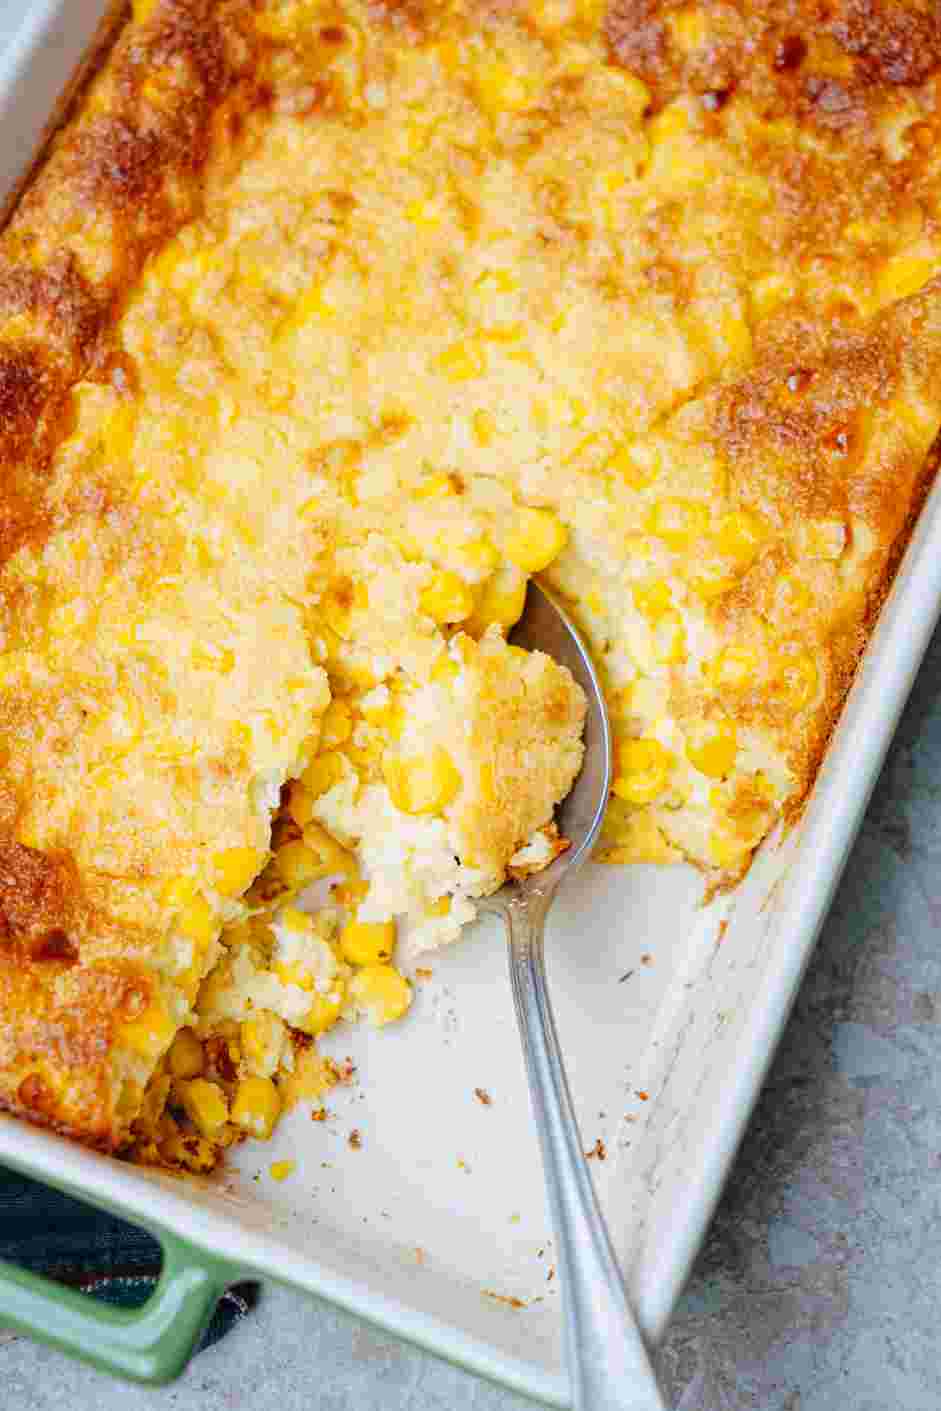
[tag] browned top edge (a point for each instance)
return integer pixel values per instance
(115, 184)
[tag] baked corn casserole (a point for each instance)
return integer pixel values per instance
(324, 325)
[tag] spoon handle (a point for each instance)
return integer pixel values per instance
(606, 1357)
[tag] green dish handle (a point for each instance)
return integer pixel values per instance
(150, 1344)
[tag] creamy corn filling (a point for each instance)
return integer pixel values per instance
(413, 803)
(447, 323)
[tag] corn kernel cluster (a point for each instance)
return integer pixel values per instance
(424, 350)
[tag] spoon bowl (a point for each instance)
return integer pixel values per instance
(546, 627)
(608, 1363)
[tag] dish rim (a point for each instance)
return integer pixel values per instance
(831, 821)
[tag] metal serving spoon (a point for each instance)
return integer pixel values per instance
(607, 1360)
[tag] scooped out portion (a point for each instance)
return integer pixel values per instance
(420, 796)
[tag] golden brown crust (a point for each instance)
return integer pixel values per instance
(828, 444)
(799, 444)
(120, 181)
(785, 54)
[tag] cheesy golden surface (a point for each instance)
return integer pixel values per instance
(325, 325)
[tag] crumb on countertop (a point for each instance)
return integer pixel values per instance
(510, 1300)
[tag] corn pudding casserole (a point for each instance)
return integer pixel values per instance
(325, 325)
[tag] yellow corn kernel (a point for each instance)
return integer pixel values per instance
(262, 1038)
(748, 822)
(324, 642)
(333, 857)
(381, 992)
(712, 747)
(219, 659)
(669, 637)
(296, 920)
(367, 942)
(444, 670)
(637, 463)
(421, 783)
(501, 602)
(339, 602)
(390, 718)
(688, 28)
(637, 94)
(824, 539)
(677, 522)
(310, 307)
(178, 892)
(502, 89)
(652, 598)
(793, 596)
(736, 339)
(711, 586)
(300, 804)
(197, 921)
(280, 1170)
(236, 869)
(478, 558)
(257, 1107)
(447, 598)
(441, 906)
(66, 620)
(297, 865)
(902, 275)
(918, 416)
(497, 281)
(350, 894)
(864, 232)
(206, 1105)
(337, 724)
(637, 838)
(725, 849)
(434, 487)
(642, 770)
(537, 537)
(361, 674)
(324, 1011)
(150, 1032)
(769, 293)
(186, 1055)
(323, 774)
(797, 680)
(408, 545)
(462, 362)
(290, 973)
(423, 213)
(736, 667)
(673, 121)
(485, 428)
(739, 536)
(610, 182)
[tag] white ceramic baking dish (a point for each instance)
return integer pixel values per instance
(435, 1226)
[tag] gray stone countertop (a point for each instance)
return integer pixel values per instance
(819, 1285)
